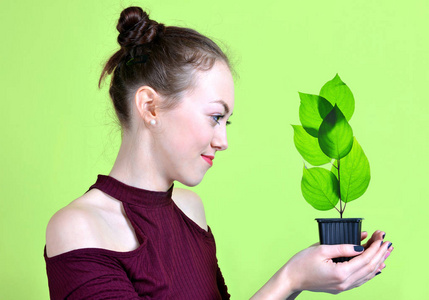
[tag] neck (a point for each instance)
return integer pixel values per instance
(136, 165)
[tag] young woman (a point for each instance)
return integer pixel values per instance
(134, 236)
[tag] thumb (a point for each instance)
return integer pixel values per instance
(343, 250)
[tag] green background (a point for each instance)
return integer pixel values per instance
(58, 130)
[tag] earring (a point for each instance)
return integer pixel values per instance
(152, 122)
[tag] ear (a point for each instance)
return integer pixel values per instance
(145, 100)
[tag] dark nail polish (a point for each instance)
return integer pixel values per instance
(378, 273)
(384, 236)
(358, 248)
(390, 245)
(381, 243)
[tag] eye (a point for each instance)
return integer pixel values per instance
(217, 118)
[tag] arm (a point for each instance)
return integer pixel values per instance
(191, 205)
(312, 269)
(77, 265)
(88, 274)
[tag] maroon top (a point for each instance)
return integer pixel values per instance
(176, 258)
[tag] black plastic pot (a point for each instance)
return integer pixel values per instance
(340, 231)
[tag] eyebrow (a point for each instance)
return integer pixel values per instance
(225, 106)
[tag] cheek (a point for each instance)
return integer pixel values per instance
(198, 137)
(202, 132)
(187, 131)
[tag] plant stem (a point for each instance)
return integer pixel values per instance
(337, 209)
(339, 189)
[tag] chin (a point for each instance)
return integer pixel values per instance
(191, 181)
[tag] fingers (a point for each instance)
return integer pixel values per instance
(382, 258)
(370, 262)
(314, 270)
(388, 253)
(383, 265)
(346, 250)
(378, 272)
(343, 250)
(363, 235)
(377, 235)
(367, 265)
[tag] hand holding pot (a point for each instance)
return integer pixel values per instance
(312, 269)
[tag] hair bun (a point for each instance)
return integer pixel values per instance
(135, 28)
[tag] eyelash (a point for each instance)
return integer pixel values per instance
(216, 118)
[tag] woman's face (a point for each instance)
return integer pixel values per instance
(190, 134)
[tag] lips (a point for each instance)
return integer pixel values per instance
(208, 159)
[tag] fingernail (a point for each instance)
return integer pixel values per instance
(390, 245)
(378, 273)
(387, 255)
(381, 243)
(384, 236)
(358, 248)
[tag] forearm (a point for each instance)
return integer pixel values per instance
(279, 287)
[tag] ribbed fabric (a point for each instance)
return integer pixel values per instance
(176, 258)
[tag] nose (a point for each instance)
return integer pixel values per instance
(220, 141)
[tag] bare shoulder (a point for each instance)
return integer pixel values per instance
(81, 224)
(190, 203)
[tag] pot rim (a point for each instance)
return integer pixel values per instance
(338, 220)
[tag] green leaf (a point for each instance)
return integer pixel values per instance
(320, 188)
(308, 147)
(335, 135)
(312, 110)
(354, 173)
(337, 92)
(334, 168)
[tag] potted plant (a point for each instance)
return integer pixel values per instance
(336, 170)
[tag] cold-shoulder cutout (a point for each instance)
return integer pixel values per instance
(91, 221)
(69, 229)
(191, 205)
